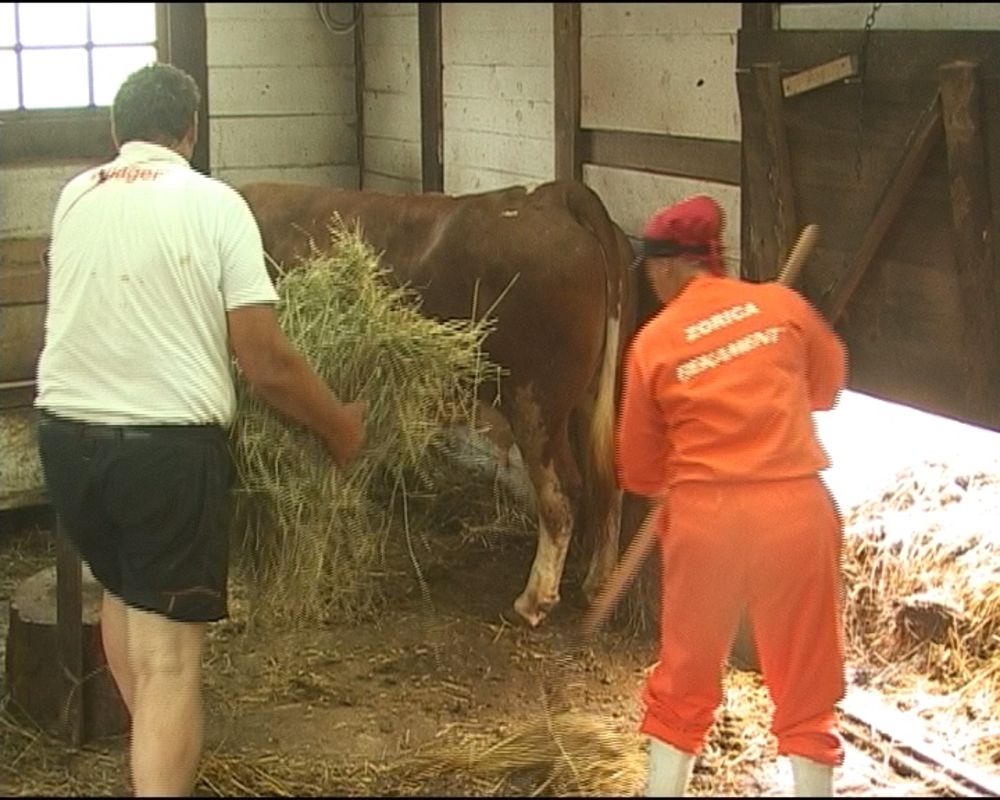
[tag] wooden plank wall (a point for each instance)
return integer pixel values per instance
(498, 114)
(392, 98)
(907, 323)
(666, 69)
(281, 89)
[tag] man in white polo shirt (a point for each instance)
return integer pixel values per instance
(156, 272)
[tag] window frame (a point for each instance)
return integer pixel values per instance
(44, 136)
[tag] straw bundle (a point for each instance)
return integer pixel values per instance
(313, 536)
(568, 753)
(573, 752)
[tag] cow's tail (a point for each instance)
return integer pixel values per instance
(602, 422)
(589, 211)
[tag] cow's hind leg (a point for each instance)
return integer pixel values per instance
(545, 447)
(555, 529)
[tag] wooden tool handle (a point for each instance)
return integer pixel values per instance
(623, 574)
(626, 569)
(800, 253)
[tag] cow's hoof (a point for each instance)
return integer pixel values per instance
(532, 611)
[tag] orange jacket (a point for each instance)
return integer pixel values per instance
(720, 386)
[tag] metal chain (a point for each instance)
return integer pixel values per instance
(863, 72)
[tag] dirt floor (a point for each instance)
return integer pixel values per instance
(349, 709)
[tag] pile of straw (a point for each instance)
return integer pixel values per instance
(922, 578)
(922, 572)
(314, 537)
(34, 763)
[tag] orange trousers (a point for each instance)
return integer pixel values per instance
(772, 547)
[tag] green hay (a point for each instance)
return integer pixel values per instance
(313, 537)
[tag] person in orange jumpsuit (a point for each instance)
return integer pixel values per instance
(716, 425)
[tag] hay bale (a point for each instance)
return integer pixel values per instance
(312, 537)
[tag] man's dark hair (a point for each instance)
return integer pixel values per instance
(155, 103)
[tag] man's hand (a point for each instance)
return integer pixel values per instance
(345, 441)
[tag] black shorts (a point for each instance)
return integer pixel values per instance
(148, 509)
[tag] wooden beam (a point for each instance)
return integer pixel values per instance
(186, 48)
(69, 631)
(971, 209)
(821, 75)
(17, 394)
(359, 88)
(767, 78)
(566, 90)
(760, 16)
(431, 97)
(705, 159)
(866, 739)
(45, 136)
(922, 139)
(866, 708)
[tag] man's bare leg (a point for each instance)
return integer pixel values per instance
(114, 635)
(167, 720)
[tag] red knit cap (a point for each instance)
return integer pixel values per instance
(695, 223)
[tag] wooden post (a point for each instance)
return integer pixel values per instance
(359, 89)
(757, 253)
(431, 97)
(760, 16)
(922, 139)
(971, 209)
(566, 91)
(69, 626)
(767, 79)
(758, 248)
(186, 48)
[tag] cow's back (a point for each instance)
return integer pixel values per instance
(536, 260)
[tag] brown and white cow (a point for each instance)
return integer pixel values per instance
(559, 327)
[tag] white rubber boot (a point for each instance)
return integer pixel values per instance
(812, 779)
(669, 770)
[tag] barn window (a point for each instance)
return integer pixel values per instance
(61, 64)
(71, 55)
